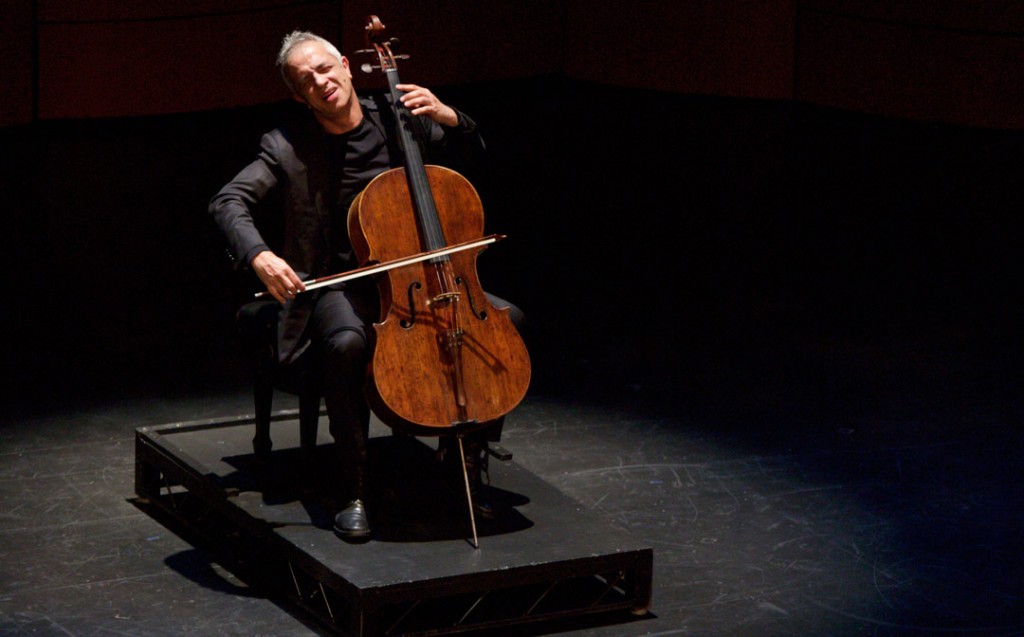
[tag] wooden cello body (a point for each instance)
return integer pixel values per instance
(445, 360)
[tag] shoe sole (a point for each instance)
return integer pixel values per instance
(349, 535)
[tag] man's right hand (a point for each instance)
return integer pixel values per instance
(281, 281)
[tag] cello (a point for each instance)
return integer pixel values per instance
(445, 361)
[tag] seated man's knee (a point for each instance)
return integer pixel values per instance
(515, 314)
(517, 317)
(345, 346)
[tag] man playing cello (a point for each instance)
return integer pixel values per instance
(303, 181)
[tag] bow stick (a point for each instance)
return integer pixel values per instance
(395, 263)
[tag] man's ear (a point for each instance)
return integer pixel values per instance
(298, 98)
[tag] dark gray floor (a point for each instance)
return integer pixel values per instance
(901, 520)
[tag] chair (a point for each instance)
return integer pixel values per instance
(257, 325)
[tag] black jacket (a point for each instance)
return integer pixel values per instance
(277, 202)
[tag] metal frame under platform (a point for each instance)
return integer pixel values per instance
(542, 559)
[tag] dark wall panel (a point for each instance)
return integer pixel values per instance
(457, 42)
(16, 72)
(732, 48)
(947, 61)
(167, 58)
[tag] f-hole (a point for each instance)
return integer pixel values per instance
(410, 291)
(472, 305)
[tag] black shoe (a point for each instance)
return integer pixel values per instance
(351, 522)
(482, 508)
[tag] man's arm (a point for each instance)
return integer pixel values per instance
(232, 210)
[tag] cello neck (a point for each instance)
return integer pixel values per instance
(416, 174)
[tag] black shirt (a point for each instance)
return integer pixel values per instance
(354, 158)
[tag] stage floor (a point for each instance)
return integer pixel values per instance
(425, 570)
(833, 524)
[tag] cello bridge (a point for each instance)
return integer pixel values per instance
(443, 298)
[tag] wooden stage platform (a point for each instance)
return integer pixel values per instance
(543, 559)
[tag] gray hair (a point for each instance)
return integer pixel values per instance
(291, 41)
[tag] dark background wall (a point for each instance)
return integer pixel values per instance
(810, 203)
(941, 60)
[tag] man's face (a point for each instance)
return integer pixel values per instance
(321, 81)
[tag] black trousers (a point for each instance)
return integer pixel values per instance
(339, 332)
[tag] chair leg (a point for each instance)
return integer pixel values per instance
(263, 397)
(309, 422)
